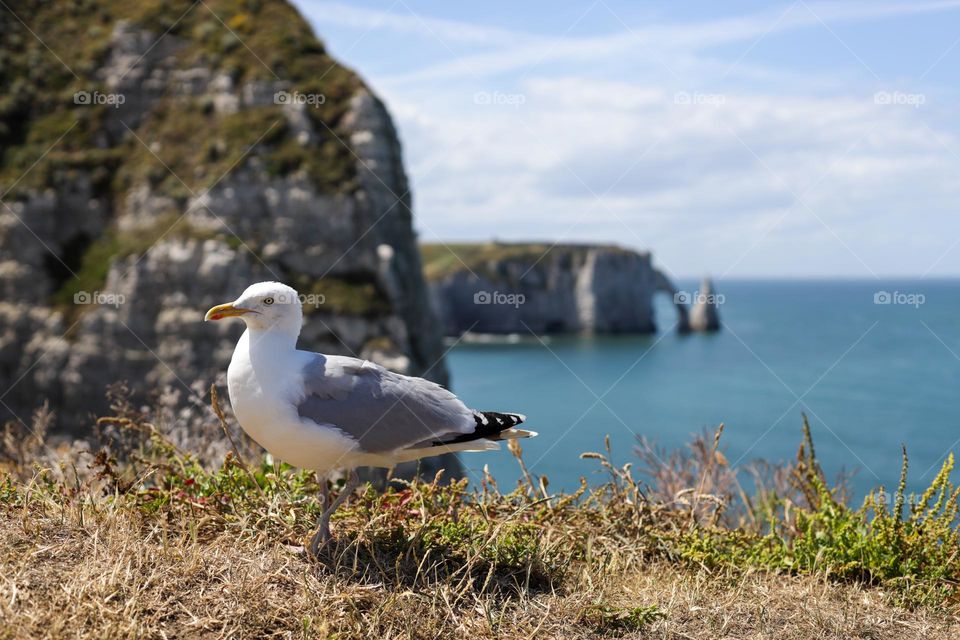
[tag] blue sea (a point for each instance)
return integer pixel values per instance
(872, 363)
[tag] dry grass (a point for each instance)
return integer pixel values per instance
(114, 577)
(137, 538)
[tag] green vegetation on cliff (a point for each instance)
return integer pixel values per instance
(346, 294)
(444, 259)
(248, 40)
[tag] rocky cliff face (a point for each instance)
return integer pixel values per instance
(523, 288)
(181, 152)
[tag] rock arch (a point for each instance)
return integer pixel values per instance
(683, 315)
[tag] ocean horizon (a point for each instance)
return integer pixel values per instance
(874, 364)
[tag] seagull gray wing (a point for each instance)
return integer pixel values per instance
(382, 410)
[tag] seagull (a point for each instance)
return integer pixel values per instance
(328, 412)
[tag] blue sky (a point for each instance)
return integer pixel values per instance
(738, 139)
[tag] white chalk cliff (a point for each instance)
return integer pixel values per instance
(534, 288)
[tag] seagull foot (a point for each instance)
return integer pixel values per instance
(322, 537)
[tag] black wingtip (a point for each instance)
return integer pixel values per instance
(495, 419)
(489, 425)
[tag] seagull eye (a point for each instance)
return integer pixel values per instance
(268, 301)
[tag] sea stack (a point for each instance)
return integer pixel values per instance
(705, 316)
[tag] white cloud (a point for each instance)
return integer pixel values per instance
(605, 147)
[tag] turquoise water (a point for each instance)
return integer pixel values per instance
(869, 376)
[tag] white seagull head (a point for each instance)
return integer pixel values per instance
(264, 306)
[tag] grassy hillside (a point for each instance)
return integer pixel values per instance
(444, 259)
(139, 534)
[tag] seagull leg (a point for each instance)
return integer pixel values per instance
(322, 536)
(324, 523)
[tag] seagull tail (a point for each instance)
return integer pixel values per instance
(440, 448)
(514, 434)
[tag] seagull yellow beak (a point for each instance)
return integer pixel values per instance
(222, 311)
